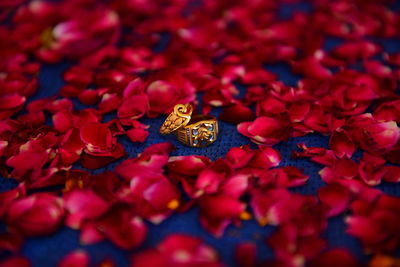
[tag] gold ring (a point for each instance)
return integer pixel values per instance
(196, 131)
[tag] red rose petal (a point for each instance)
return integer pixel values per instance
(90, 234)
(217, 211)
(245, 254)
(374, 222)
(298, 111)
(162, 195)
(188, 165)
(265, 157)
(78, 75)
(150, 258)
(98, 160)
(163, 95)
(178, 250)
(385, 134)
(15, 261)
(78, 258)
(341, 144)
(26, 162)
(133, 107)
(388, 111)
(83, 205)
(211, 177)
(109, 102)
(97, 137)
(336, 197)
(122, 227)
(272, 208)
(11, 101)
(7, 197)
(371, 169)
(62, 121)
(236, 114)
(265, 130)
(392, 174)
(239, 156)
(137, 135)
(89, 97)
(236, 185)
(269, 106)
(39, 214)
(11, 242)
(335, 257)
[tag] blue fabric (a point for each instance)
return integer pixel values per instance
(47, 251)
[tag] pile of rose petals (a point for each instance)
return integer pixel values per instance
(131, 59)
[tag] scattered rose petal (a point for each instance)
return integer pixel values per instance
(236, 114)
(39, 214)
(78, 258)
(15, 261)
(122, 227)
(245, 254)
(335, 257)
(336, 197)
(265, 130)
(178, 250)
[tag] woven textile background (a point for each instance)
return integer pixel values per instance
(46, 251)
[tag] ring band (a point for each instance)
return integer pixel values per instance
(196, 131)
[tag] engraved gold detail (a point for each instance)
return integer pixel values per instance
(196, 131)
(179, 117)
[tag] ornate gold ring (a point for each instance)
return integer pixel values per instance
(196, 131)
